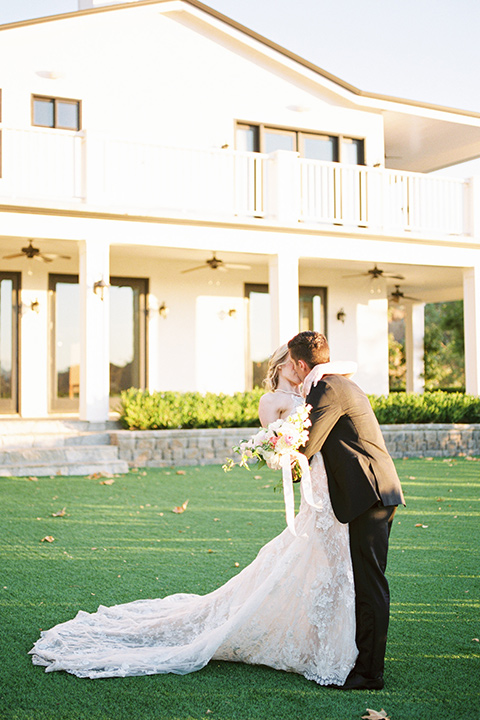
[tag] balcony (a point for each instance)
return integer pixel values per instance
(224, 185)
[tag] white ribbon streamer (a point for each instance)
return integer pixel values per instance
(286, 465)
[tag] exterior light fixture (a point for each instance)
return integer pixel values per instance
(99, 288)
(35, 306)
(341, 315)
(163, 310)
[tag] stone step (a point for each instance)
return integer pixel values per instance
(41, 470)
(52, 455)
(45, 440)
(54, 426)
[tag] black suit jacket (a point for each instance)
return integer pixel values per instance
(344, 428)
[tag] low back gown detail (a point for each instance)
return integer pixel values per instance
(292, 609)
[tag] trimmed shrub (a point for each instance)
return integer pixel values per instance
(428, 407)
(142, 410)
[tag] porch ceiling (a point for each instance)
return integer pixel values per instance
(423, 144)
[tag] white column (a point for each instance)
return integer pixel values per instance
(414, 346)
(283, 289)
(284, 186)
(471, 312)
(95, 331)
(34, 367)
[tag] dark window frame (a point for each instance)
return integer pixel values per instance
(262, 127)
(55, 100)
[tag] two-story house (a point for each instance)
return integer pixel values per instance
(179, 195)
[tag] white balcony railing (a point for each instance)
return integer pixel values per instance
(218, 184)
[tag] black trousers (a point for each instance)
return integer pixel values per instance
(369, 534)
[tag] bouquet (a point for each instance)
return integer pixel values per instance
(272, 445)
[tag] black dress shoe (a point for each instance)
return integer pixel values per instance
(358, 682)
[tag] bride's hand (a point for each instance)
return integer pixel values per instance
(339, 367)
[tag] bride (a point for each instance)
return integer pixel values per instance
(292, 608)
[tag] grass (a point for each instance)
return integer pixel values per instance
(120, 542)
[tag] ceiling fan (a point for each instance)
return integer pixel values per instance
(33, 253)
(397, 296)
(375, 274)
(216, 264)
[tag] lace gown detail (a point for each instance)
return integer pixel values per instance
(292, 608)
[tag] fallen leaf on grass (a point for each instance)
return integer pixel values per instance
(180, 508)
(475, 639)
(420, 525)
(257, 477)
(97, 475)
(375, 715)
(60, 513)
(47, 538)
(32, 478)
(181, 472)
(237, 564)
(110, 481)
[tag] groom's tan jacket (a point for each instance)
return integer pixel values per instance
(344, 428)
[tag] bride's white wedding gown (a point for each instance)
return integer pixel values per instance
(292, 608)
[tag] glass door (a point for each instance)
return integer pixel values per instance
(64, 298)
(128, 332)
(9, 321)
(312, 316)
(128, 335)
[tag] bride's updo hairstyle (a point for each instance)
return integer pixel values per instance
(277, 359)
(311, 347)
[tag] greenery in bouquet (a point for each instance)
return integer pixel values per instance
(269, 446)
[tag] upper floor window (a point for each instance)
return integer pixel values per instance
(56, 113)
(315, 146)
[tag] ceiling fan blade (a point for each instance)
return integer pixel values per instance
(54, 256)
(356, 275)
(10, 257)
(237, 266)
(198, 267)
(42, 258)
(394, 277)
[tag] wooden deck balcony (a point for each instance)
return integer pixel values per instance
(89, 170)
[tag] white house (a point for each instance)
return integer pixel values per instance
(142, 142)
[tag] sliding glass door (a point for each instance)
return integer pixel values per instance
(9, 333)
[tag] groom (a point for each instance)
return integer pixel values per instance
(364, 490)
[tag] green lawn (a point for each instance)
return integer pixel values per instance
(120, 542)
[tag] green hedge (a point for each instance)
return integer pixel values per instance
(142, 410)
(428, 407)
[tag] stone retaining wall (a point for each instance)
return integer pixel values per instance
(163, 448)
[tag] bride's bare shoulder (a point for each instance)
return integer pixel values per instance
(270, 407)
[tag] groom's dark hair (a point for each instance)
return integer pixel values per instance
(311, 347)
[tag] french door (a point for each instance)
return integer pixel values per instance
(128, 338)
(9, 336)
(312, 316)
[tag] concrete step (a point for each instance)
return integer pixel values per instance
(34, 440)
(65, 454)
(54, 426)
(42, 470)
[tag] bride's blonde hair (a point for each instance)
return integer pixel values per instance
(277, 359)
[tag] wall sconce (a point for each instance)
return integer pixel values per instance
(341, 315)
(35, 306)
(163, 310)
(99, 288)
(227, 313)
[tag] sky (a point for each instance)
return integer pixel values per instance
(426, 50)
